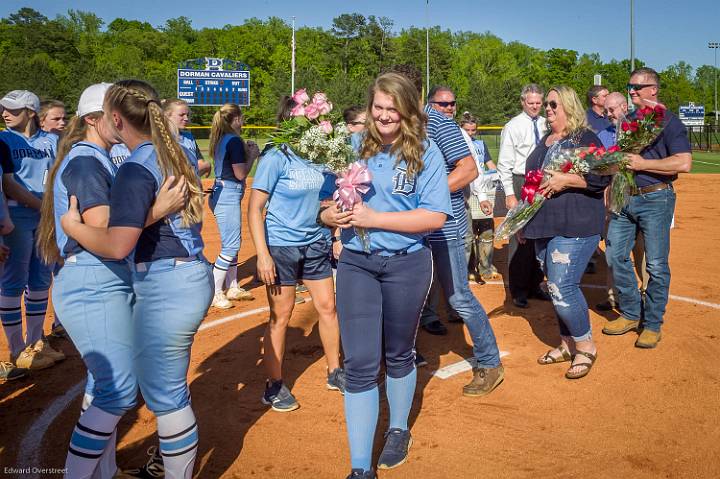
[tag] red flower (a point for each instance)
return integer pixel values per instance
(613, 149)
(601, 151)
(634, 126)
(625, 126)
(640, 114)
(592, 148)
(582, 155)
(567, 166)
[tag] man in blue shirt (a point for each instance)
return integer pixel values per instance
(596, 96)
(651, 211)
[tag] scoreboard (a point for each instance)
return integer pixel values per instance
(692, 115)
(213, 87)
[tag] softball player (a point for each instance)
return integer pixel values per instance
(292, 246)
(33, 152)
(178, 113)
(231, 168)
(93, 294)
(380, 294)
(8, 371)
(171, 280)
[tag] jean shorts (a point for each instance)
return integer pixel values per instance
(293, 263)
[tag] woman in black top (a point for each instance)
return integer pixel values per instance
(567, 229)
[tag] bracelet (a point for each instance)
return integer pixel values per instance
(334, 239)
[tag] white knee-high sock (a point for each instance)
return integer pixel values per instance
(178, 435)
(35, 308)
(231, 278)
(11, 317)
(93, 431)
(220, 270)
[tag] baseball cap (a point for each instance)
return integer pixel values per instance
(92, 98)
(17, 99)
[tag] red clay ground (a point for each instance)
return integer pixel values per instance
(639, 414)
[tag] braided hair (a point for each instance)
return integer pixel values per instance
(138, 103)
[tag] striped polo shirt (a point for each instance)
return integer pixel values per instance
(448, 136)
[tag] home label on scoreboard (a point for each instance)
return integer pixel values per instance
(213, 82)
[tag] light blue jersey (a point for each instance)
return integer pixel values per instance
(294, 186)
(90, 181)
(32, 158)
(393, 190)
(119, 153)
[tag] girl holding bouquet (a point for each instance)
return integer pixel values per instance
(292, 246)
(381, 292)
(567, 228)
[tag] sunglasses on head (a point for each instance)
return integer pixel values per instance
(444, 104)
(638, 86)
(552, 104)
(356, 122)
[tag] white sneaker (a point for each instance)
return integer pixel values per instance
(220, 301)
(43, 346)
(238, 294)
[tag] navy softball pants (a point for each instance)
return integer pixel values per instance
(379, 300)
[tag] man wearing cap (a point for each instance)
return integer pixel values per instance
(32, 153)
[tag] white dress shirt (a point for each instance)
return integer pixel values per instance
(517, 141)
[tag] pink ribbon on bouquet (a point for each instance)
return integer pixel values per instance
(351, 183)
(533, 178)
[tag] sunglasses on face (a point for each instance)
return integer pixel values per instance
(444, 104)
(552, 104)
(638, 86)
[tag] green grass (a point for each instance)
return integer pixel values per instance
(703, 162)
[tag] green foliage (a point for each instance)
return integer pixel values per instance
(59, 57)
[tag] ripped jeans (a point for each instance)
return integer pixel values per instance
(564, 260)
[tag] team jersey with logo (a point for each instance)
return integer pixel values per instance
(136, 185)
(294, 185)
(31, 159)
(86, 173)
(392, 189)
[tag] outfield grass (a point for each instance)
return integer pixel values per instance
(703, 162)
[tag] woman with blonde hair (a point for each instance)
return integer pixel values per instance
(567, 229)
(52, 116)
(171, 280)
(178, 114)
(408, 199)
(231, 168)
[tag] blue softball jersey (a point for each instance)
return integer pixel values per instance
(230, 151)
(87, 173)
(294, 185)
(136, 185)
(119, 153)
(188, 141)
(393, 190)
(31, 159)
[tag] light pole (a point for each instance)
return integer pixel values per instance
(632, 47)
(292, 60)
(427, 47)
(715, 46)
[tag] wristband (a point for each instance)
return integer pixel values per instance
(334, 239)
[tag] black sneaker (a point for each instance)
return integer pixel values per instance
(336, 380)
(361, 474)
(154, 468)
(419, 360)
(395, 451)
(279, 397)
(436, 328)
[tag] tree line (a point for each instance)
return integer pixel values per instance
(57, 58)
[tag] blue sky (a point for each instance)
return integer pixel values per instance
(666, 30)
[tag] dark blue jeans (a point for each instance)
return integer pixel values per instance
(451, 271)
(651, 214)
(564, 261)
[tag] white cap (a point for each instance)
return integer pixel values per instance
(18, 99)
(92, 99)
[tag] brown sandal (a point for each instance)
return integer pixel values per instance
(548, 359)
(586, 367)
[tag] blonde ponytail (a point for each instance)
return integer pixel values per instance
(137, 102)
(222, 125)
